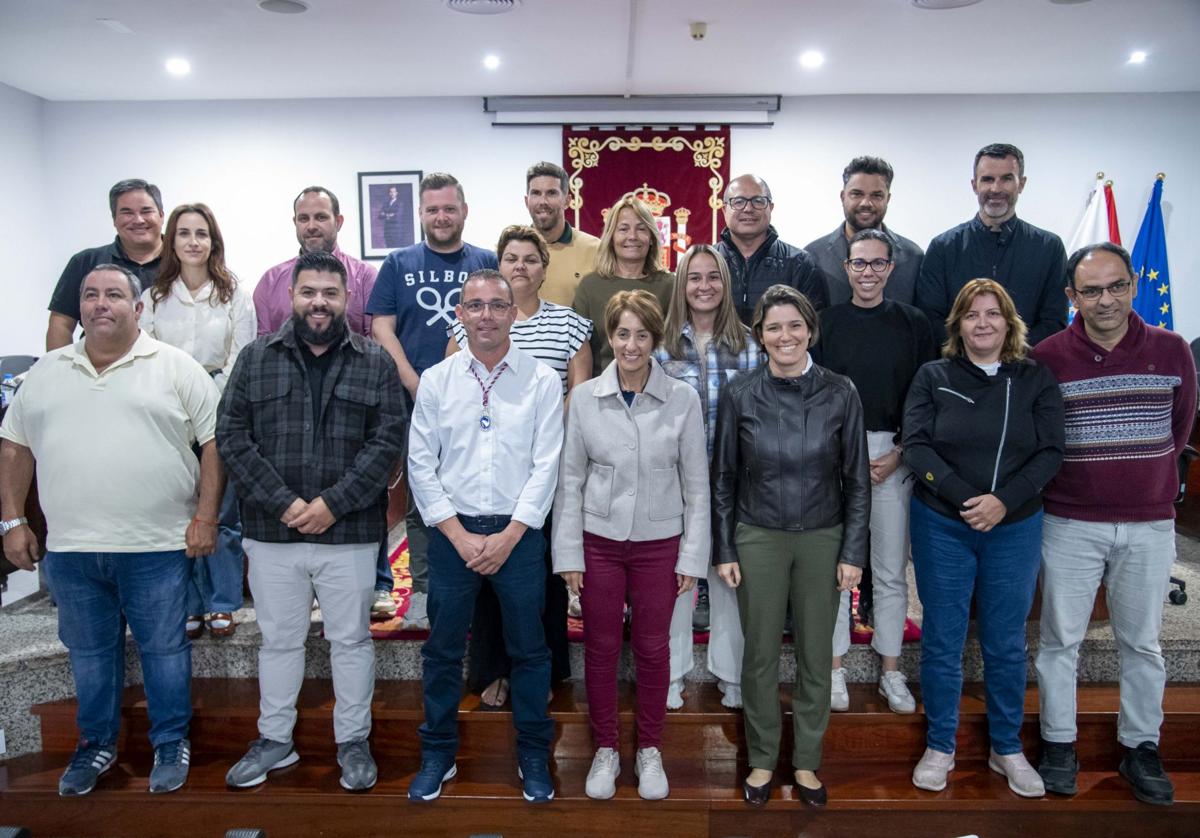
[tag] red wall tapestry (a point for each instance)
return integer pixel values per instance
(680, 174)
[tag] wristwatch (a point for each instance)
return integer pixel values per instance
(8, 526)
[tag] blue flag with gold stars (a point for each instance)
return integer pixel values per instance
(1153, 301)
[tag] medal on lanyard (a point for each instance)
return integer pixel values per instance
(485, 416)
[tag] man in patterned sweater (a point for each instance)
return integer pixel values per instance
(1130, 395)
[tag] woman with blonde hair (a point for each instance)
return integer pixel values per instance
(631, 523)
(628, 260)
(706, 345)
(983, 433)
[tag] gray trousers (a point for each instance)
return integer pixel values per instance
(282, 580)
(1134, 562)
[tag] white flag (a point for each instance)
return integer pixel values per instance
(1093, 227)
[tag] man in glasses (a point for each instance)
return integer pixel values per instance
(1028, 261)
(483, 465)
(757, 257)
(866, 191)
(1130, 394)
(413, 307)
(879, 344)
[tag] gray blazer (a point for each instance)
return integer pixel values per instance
(635, 473)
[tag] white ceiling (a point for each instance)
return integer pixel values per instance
(56, 49)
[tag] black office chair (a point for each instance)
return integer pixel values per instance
(15, 364)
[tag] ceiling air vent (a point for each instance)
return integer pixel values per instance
(482, 7)
(943, 4)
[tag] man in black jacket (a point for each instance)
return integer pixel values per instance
(1028, 261)
(757, 257)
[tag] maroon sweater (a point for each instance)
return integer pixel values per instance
(1129, 412)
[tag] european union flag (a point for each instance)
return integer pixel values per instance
(1153, 301)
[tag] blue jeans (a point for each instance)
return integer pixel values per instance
(97, 594)
(384, 581)
(520, 584)
(1000, 567)
(216, 579)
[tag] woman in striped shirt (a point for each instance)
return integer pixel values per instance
(558, 337)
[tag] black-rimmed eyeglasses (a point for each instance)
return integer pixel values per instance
(759, 202)
(860, 265)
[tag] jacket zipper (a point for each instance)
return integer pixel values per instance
(1003, 432)
(956, 393)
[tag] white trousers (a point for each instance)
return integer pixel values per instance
(889, 558)
(725, 640)
(282, 580)
(1134, 561)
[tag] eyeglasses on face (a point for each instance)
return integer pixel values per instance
(477, 306)
(1118, 289)
(860, 265)
(759, 202)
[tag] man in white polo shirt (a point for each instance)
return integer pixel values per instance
(109, 424)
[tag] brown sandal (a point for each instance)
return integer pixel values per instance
(220, 631)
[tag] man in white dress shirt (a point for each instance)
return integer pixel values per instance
(486, 433)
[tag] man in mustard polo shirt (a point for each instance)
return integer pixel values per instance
(572, 252)
(109, 424)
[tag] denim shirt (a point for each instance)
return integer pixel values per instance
(709, 374)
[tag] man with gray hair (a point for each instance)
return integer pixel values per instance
(137, 213)
(109, 424)
(866, 192)
(757, 257)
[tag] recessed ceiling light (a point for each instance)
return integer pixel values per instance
(178, 66)
(1137, 57)
(811, 59)
(491, 61)
(283, 7)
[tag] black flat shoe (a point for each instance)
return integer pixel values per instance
(756, 795)
(813, 797)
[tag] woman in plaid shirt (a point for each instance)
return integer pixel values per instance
(706, 345)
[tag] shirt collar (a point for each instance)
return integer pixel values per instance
(512, 357)
(657, 384)
(286, 334)
(565, 238)
(143, 346)
(179, 291)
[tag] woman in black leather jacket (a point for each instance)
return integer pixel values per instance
(791, 505)
(983, 433)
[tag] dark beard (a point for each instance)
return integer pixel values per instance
(334, 332)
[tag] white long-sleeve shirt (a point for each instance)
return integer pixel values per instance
(210, 331)
(455, 467)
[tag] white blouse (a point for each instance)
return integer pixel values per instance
(210, 331)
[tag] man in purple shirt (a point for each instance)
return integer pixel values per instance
(317, 216)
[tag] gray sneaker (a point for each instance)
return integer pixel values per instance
(358, 769)
(264, 755)
(85, 768)
(416, 617)
(170, 771)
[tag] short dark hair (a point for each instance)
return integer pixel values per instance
(319, 260)
(1000, 151)
(133, 185)
(546, 169)
(870, 234)
(488, 275)
(135, 284)
(337, 208)
(867, 165)
(786, 295)
(440, 180)
(1088, 249)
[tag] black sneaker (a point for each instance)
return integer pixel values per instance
(1143, 768)
(1059, 767)
(700, 615)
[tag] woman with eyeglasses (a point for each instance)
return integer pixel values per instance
(879, 344)
(632, 523)
(628, 259)
(791, 498)
(706, 345)
(984, 434)
(558, 337)
(198, 305)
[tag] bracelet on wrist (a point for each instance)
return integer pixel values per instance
(199, 520)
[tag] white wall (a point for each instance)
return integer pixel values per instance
(27, 228)
(248, 158)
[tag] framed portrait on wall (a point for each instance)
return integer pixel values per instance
(388, 211)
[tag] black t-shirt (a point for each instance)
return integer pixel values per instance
(316, 366)
(65, 299)
(880, 349)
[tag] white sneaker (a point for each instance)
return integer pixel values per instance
(652, 780)
(1022, 778)
(894, 687)
(383, 607)
(574, 608)
(675, 695)
(416, 616)
(602, 777)
(731, 695)
(839, 696)
(930, 773)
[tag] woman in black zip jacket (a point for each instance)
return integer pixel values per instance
(983, 434)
